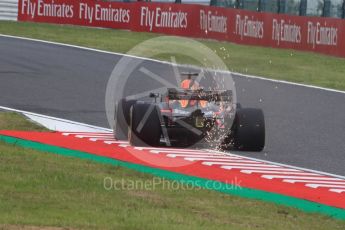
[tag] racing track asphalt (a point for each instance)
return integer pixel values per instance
(305, 127)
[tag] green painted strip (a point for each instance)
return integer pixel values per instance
(301, 204)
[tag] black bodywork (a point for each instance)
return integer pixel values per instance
(194, 123)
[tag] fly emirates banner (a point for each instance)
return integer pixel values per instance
(323, 35)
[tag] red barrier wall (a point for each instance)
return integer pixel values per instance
(323, 35)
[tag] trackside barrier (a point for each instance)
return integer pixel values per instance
(322, 35)
(9, 10)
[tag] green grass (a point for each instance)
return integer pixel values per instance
(15, 121)
(289, 65)
(42, 189)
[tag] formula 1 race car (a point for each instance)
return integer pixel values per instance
(184, 117)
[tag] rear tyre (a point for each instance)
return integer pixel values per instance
(249, 130)
(145, 129)
(121, 117)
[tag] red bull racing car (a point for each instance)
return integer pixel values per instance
(191, 116)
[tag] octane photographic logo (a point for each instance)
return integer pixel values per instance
(143, 81)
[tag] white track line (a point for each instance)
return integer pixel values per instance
(258, 164)
(301, 177)
(337, 190)
(169, 149)
(219, 160)
(96, 136)
(315, 181)
(173, 155)
(325, 186)
(101, 139)
(182, 151)
(280, 171)
(170, 63)
(269, 168)
(116, 142)
(207, 158)
(82, 134)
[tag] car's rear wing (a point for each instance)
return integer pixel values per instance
(200, 94)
